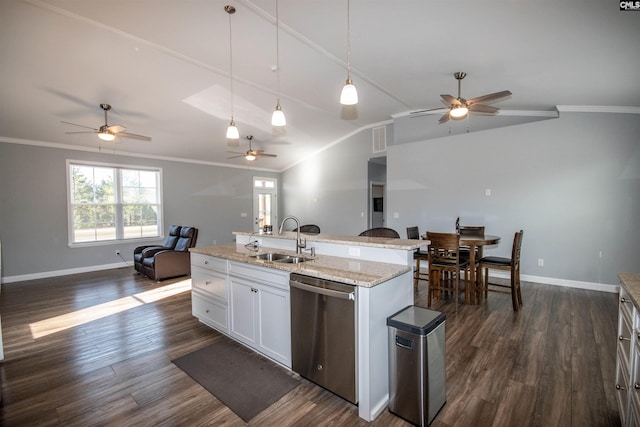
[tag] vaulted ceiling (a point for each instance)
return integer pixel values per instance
(163, 65)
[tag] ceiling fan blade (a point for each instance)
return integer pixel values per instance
(492, 97)
(266, 155)
(485, 109)
(450, 100)
(116, 128)
(421, 112)
(444, 118)
(134, 136)
(75, 124)
(239, 155)
(81, 131)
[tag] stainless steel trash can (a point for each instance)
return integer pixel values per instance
(417, 372)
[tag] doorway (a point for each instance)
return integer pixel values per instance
(377, 203)
(265, 202)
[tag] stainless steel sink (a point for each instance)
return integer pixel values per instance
(269, 256)
(294, 259)
(276, 257)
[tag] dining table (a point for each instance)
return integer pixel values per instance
(475, 242)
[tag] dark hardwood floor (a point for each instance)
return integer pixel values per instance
(96, 349)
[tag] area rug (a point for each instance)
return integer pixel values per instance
(240, 378)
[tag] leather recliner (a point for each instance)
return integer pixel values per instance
(160, 264)
(169, 243)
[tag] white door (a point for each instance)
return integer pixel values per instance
(274, 323)
(265, 202)
(243, 309)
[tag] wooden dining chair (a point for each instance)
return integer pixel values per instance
(418, 256)
(500, 263)
(445, 266)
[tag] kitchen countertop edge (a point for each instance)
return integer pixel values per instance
(344, 270)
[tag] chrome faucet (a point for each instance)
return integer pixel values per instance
(300, 243)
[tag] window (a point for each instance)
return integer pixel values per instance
(109, 203)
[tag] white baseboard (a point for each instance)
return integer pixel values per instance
(55, 273)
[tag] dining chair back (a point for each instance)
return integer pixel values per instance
(413, 233)
(308, 229)
(501, 263)
(445, 266)
(380, 232)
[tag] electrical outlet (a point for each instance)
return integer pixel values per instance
(118, 252)
(540, 262)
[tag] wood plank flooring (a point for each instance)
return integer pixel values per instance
(551, 364)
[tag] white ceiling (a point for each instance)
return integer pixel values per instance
(61, 58)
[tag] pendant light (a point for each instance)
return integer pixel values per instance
(232, 131)
(278, 119)
(349, 95)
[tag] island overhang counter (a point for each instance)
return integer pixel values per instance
(380, 269)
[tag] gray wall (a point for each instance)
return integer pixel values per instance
(572, 184)
(33, 207)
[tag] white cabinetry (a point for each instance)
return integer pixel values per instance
(260, 314)
(628, 361)
(209, 295)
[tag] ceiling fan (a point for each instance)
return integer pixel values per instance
(109, 133)
(251, 154)
(458, 108)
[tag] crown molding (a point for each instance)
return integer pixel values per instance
(597, 109)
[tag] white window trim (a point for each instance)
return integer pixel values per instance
(119, 240)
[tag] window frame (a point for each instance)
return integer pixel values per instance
(118, 203)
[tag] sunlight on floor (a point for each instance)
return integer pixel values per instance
(65, 321)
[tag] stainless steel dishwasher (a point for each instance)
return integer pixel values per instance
(323, 334)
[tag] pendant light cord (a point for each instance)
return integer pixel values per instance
(348, 42)
(278, 50)
(231, 66)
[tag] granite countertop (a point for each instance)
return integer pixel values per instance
(346, 270)
(378, 242)
(631, 283)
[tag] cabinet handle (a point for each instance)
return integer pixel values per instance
(207, 311)
(621, 338)
(254, 290)
(207, 282)
(207, 262)
(619, 387)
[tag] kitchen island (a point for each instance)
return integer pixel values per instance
(228, 281)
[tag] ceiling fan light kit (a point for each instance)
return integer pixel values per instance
(349, 94)
(458, 112)
(109, 133)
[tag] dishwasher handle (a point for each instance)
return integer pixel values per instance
(351, 296)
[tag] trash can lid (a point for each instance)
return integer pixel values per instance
(417, 320)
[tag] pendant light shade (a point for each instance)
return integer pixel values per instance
(278, 119)
(349, 95)
(232, 131)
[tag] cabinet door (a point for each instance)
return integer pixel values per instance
(274, 324)
(243, 310)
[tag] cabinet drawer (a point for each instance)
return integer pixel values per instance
(209, 282)
(260, 274)
(210, 312)
(625, 338)
(209, 263)
(622, 388)
(626, 305)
